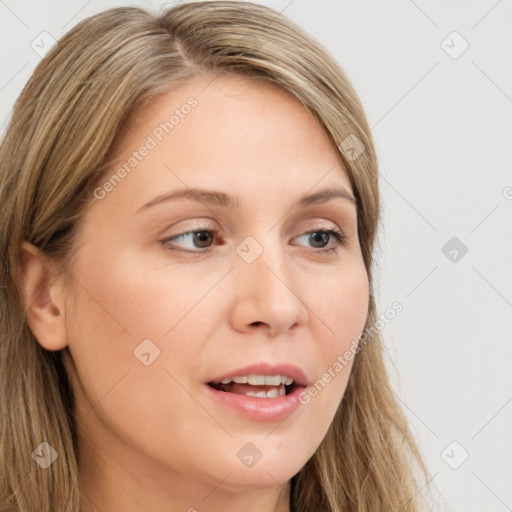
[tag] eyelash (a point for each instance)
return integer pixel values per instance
(339, 237)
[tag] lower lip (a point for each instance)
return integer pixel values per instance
(258, 409)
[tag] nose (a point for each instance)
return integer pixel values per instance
(268, 295)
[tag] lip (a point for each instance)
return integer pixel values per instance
(260, 409)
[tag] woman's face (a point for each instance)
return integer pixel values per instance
(170, 294)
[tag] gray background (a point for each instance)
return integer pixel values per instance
(443, 129)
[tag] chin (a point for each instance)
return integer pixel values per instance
(259, 462)
(260, 476)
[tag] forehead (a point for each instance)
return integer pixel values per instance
(243, 133)
(229, 109)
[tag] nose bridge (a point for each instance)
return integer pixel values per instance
(267, 286)
(263, 258)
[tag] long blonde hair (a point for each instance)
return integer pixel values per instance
(55, 149)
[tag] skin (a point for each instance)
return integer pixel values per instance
(150, 439)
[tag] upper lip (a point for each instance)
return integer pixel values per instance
(265, 368)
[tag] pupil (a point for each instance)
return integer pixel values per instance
(323, 236)
(202, 236)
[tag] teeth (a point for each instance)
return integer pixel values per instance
(273, 380)
(271, 393)
(256, 380)
(260, 380)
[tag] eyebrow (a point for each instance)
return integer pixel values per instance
(224, 200)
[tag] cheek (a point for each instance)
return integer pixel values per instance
(117, 307)
(121, 305)
(341, 312)
(134, 300)
(341, 303)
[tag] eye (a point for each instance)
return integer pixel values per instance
(198, 239)
(201, 240)
(324, 236)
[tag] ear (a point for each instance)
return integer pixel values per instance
(43, 297)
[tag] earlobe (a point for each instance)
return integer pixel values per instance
(43, 298)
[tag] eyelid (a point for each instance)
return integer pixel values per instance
(198, 224)
(207, 224)
(333, 229)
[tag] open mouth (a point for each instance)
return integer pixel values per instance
(271, 395)
(260, 386)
